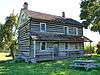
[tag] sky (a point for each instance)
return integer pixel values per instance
(54, 7)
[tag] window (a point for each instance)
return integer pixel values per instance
(80, 31)
(71, 30)
(65, 30)
(43, 45)
(43, 27)
(66, 45)
(76, 46)
(23, 18)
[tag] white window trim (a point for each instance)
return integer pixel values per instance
(41, 46)
(73, 34)
(45, 27)
(76, 31)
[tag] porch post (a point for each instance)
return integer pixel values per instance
(34, 48)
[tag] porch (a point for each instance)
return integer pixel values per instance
(50, 55)
(54, 50)
(57, 46)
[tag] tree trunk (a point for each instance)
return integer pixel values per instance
(12, 53)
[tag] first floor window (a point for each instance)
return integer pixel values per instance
(66, 45)
(43, 46)
(76, 46)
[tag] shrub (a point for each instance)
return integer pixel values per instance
(89, 49)
(98, 46)
(98, 51)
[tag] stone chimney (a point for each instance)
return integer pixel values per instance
(63, 14)
(25, 5)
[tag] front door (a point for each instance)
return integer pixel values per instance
(56, 49)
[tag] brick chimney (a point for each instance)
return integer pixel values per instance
(63, 14)
(25, 5)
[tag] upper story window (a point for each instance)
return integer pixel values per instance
(43, 27)
(23, 18)
(66, 30)
(71, 30)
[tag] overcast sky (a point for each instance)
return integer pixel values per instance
(55, 7)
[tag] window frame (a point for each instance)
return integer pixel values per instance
(23, 17)
(67, 32)
(41, 27)
(72, 33)
(65, 45)
(41, 46)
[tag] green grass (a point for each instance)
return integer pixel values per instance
(45, 68)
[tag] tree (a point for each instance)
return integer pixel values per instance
(90, 14)
(1, 36)
(89, 49)
(8, 35)
(98, 48)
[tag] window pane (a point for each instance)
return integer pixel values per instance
(72, 30)
(65, 30)
(66, 45)
(43, 27)
(43, 46)
(76, 46)
(80, 31)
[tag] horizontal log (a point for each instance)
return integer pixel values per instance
(25, 24)
(24, 51)
(24, 33)
(24, 36)
(22, 39)
(24, 48)
(25, 40)
(24, 45)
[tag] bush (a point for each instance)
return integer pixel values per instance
(98, 51)
(98, 46)
(88, 49)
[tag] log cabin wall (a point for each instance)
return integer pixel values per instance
(53, 27)
(24, 39)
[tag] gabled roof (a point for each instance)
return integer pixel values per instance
(49, 17)
(39, 15)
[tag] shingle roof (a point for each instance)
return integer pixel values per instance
(44, 16)
(59, 37)
(39, 15)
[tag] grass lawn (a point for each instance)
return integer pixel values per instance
(59, 67)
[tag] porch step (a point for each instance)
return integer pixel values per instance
(30, 60)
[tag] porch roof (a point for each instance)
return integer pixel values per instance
(59, 37)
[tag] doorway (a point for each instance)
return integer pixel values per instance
(56, 49)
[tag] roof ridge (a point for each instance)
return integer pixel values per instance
(44, 13)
